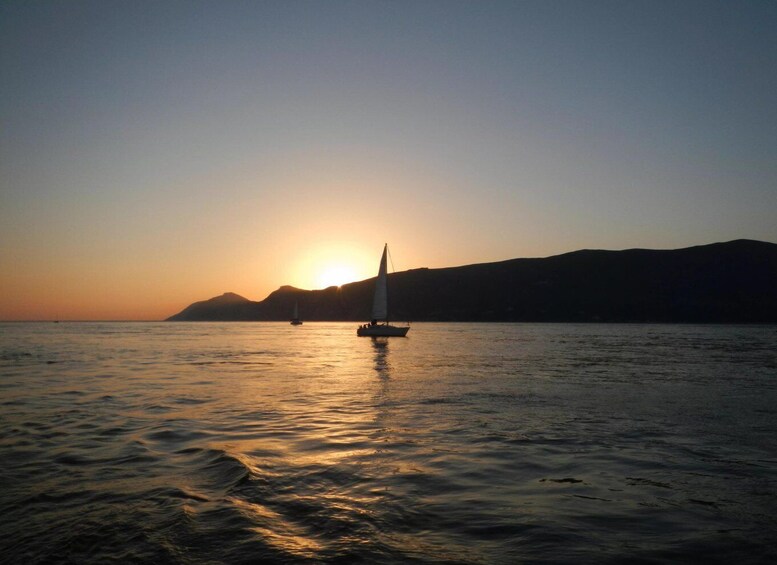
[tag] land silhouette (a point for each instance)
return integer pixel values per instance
(732, 282)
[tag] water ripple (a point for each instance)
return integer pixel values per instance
(238, 443)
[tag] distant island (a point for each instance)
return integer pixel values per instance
(733, 282)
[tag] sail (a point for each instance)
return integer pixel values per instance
(380, 301)
(296, 311)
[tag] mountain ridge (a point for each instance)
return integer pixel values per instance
(724, 282)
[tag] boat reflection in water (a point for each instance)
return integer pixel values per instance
(382, 366)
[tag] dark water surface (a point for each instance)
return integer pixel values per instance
(464, 443)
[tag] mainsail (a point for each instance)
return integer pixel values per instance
(380, 301)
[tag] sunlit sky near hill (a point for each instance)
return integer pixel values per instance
(157, 153)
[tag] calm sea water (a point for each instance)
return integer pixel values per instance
(463, 443)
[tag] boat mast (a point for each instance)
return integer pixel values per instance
(385, 268)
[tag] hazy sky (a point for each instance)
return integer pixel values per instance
(157, 153)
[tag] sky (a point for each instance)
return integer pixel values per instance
(156, 153)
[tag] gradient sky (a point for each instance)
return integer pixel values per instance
(157, 153)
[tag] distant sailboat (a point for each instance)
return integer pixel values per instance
(380, 308)
(295, 321)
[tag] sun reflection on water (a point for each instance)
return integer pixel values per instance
(267, 443)
(276, 531)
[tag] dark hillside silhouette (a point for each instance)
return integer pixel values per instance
(734, 282)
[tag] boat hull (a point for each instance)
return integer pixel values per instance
(296, 322)
(382, 331)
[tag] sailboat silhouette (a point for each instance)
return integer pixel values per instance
(380, 308)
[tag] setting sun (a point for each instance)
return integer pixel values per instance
(335, 275)
(332, 263)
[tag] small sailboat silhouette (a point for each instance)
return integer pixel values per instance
(295, 321)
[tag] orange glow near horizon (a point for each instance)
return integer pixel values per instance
(333, 264)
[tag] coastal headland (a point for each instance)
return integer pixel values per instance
(732, 282)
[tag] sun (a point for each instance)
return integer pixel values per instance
(332, 263)
(335, 275)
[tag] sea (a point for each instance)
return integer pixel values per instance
(462, 443)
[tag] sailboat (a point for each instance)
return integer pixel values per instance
(380, 308)
(295, 321)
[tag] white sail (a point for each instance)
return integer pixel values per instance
(380, 301)
(296, 311)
